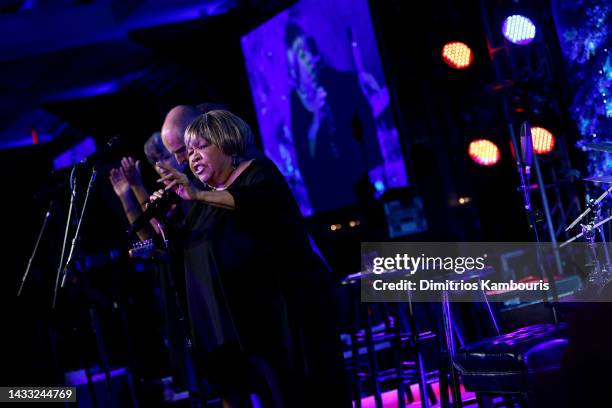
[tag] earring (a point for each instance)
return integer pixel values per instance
(235, 162)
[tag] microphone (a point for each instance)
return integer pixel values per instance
(526, 144)
(103, 153)
(156, 208)
(526, 148)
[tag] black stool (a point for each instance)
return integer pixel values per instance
(524, 363)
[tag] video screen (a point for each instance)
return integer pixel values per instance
(323, 107)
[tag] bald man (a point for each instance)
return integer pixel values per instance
(173, 130)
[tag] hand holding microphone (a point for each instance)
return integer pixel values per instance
(177, 186)
(158, 206)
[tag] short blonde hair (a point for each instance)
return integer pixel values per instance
(223, 129)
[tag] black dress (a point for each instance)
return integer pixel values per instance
(260, 301)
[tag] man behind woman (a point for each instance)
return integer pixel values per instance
(259, 300)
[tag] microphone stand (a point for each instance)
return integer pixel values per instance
(90, 160)
(66, 231)
(63, 274)
(40, 234)
(191, 381)
(524, 171)
(178, 315)
(92, 180)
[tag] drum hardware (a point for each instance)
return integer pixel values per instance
(600, 274)
(599, 147)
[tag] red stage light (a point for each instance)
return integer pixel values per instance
(543, 141)
(484, 152)
(457, 55)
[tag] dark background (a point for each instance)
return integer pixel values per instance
(49, 84)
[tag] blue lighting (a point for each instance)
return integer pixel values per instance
(519, 29)
(75, 154)
(584, 34)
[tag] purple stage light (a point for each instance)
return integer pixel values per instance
(518, 29)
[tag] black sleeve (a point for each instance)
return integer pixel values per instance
(263, 187)
(265, 203)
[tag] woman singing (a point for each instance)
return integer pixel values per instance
(260, 300)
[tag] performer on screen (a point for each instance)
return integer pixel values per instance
(332, 124)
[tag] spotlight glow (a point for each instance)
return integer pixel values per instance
(457, 55)
(542, 139)
(484, 152)
(518, 29)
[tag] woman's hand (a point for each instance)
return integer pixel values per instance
(131, 170)
(179, 182)
(119, 182)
